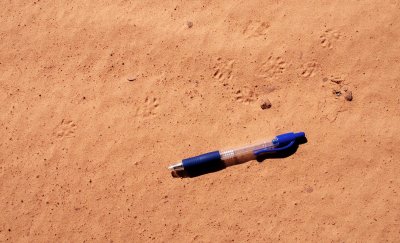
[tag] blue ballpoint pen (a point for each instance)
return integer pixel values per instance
(240, 155)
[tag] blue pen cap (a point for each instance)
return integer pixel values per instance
(286, 138)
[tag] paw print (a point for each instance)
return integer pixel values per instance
(308, 69)
(148, 108)
(66, 129)
(272, 67)
(245, 95)
(256, 28)
(223, 70)
(329, 37)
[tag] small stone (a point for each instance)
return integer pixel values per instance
(336, 92)
(189, 24)
(266, 104)
(131, 79)
(349, 95)
(325, 79)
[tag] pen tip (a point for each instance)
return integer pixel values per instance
(176, 167)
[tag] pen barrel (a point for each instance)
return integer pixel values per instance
(203, 163)
(243, 154)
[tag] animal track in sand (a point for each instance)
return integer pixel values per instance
(223, 69)
(272, 67)
(255, 28)
(148, 108)
(329, 37)
(330, 111)
(308, 69)
(245, 95)
(66, 129)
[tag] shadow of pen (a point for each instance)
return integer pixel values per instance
(284, 153)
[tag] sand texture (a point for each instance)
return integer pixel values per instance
(99, 97)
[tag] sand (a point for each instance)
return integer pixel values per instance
(99, 97)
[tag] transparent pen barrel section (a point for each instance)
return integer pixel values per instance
(243, 154)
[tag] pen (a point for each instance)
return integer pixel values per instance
(225, 158)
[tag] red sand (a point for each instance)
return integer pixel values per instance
(84, 151)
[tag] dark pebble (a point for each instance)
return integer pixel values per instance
(336, 92)
(266, 104)
(349, 96)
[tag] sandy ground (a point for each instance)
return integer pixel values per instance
(99, 97)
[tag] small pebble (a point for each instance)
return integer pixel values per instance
(131, 79)
(266, 104)
(349, 95)
(336, 92)
(189, 24)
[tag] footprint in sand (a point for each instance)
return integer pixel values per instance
(308, 69)
(329, 37)
(255, 28)
(272, 67)
(245, 95)
(223, 69)
(148, 108)
(65, 129)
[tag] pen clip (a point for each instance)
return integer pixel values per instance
(273, 150)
